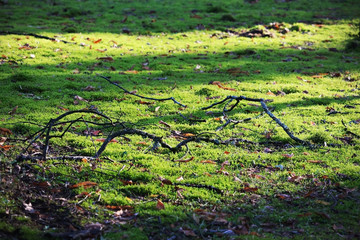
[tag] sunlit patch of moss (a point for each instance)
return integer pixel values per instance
(302, 74)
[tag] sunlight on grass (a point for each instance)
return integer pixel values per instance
(271, 187)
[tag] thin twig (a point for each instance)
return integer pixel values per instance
(148, 98)
(34, 35)
(51, 123)
(266, 109)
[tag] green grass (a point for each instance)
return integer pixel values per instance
(275, 189)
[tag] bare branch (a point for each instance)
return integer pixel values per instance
(263, 105)
(148, 98)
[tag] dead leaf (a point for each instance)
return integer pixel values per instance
(237, 71)
(44, 184)
(62, 108)
(220, 85)
(80, 98)
(188, 135)
(76, 71)
(83, 194)
(283, 196)
(185, 160)
(5, 131)
(126, 182)
(89, 88)
(106, 59)
(2, 140)
(29, 208)
(250, 189)
(86, 184)
(188, 232)
(144, 103)
(125, 207)
(26, 46)
(179, 179)
(315, 161)
(6, 147)
(160, 205)
(132, 72)
(270, 93)
(166, 181)
(208, 161)
(288, 155)
(97, 41)
(196, 16)
(236, 179)
(103, 140)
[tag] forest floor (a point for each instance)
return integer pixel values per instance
(181, 119)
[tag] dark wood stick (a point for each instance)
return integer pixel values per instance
(137, 95)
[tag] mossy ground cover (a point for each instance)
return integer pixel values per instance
(294, 54)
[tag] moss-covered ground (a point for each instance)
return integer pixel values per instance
(301, 56)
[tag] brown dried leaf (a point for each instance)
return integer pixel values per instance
(2, 140)
(188, 232)
(125, 207)
(220, 85)
(6, 147)
(208, 161)
(103, 140)
(5, 131)
(106, 59)
(144, 103)
(89, 88)
(250, 189)
(86, 184)
(160, 205)
(185, 160)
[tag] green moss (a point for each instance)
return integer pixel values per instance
(227, 18)
(177, 49)
(29, 233)
(6, 227)
(21, 77)
(318, 137)
(216, 9)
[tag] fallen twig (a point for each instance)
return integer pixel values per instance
(148, 98)
(264, 106)
(34, 35)
(348, 131)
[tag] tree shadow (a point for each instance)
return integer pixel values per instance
(157, 16)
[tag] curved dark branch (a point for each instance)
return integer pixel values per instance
(266, 110)
(137, 95)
